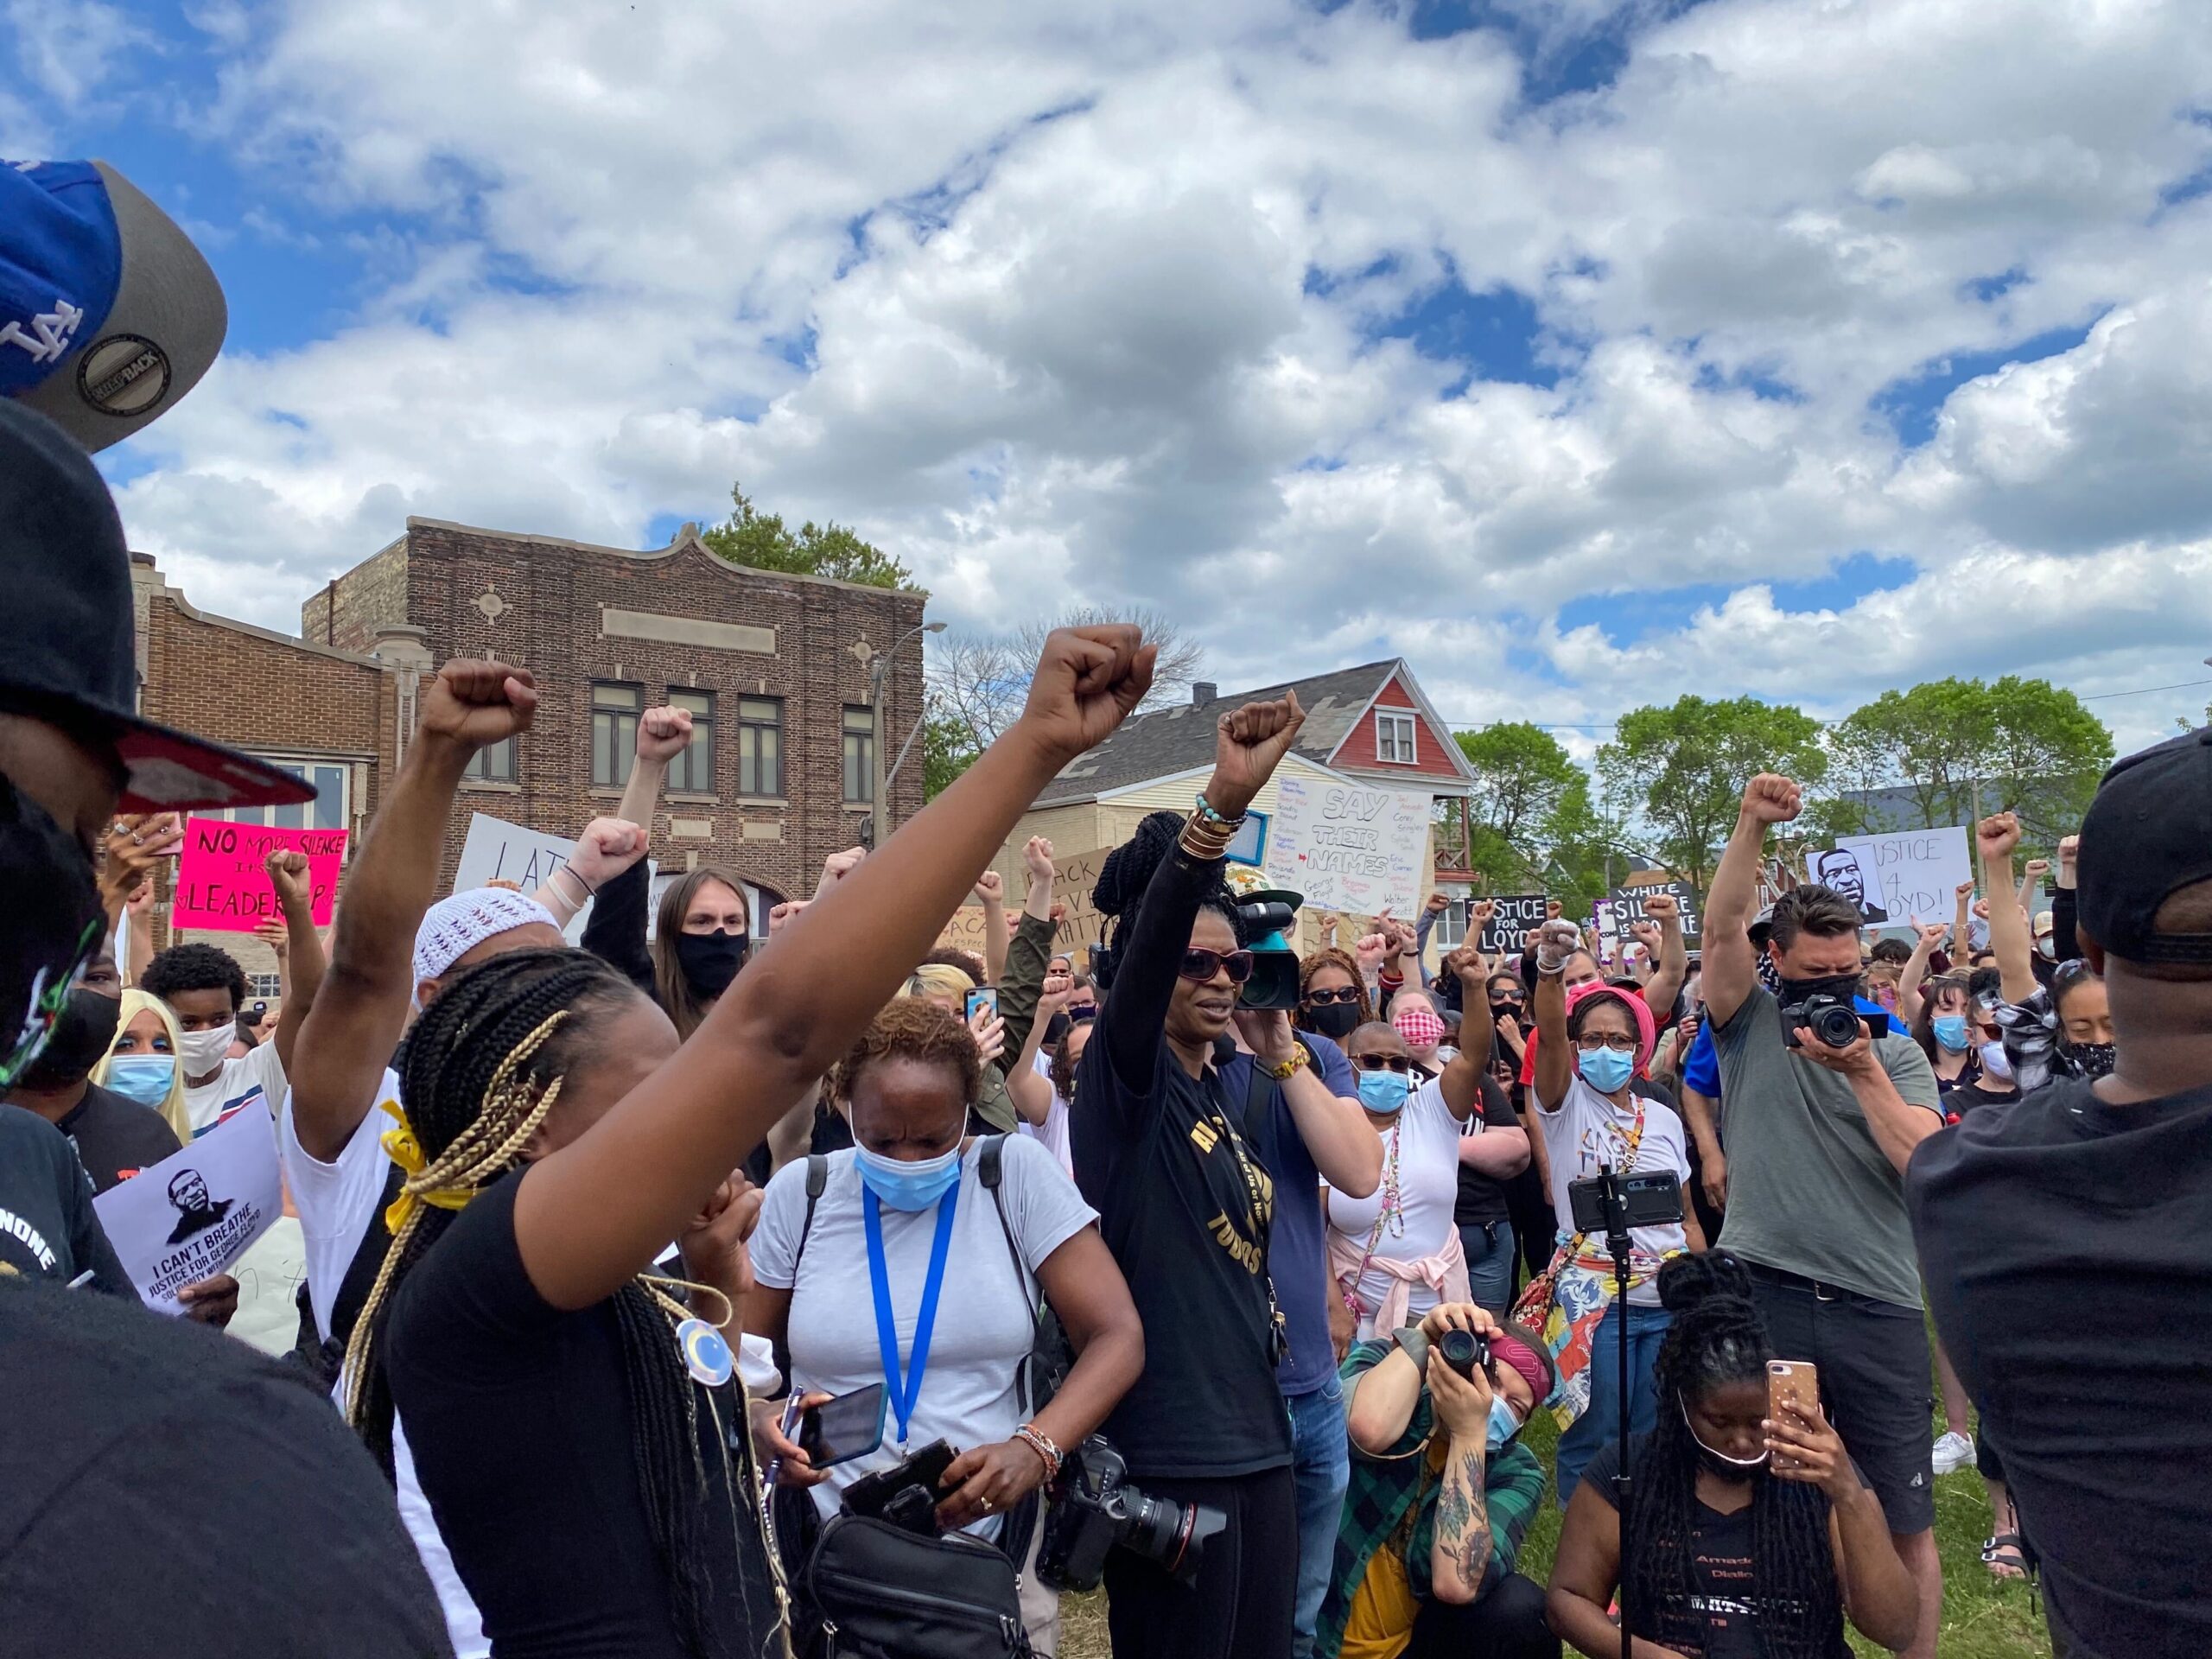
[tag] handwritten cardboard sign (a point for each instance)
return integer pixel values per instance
(1893, 878)
(221, 886)
(1349, 846)
(196, 1213)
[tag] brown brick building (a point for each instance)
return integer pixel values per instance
(775, 670)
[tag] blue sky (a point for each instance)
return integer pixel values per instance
(1585, 352)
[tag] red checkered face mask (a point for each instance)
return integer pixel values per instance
(1422, 1029)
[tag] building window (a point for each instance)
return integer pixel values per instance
(1452, 927)
(759, 746)
(267, 986)
(1394, 737)
(692, 772)
(495, 764)
(614, 710)
(860, 755)
(328, 811)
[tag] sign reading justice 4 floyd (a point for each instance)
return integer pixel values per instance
(191, 1216)
(1347, 847)
(220, 883)
(1899, 878)
(1516, 917)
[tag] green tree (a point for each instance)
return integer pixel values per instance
(947, 751)
(1931, 741)
(761, 541)
(1682, 769)
(1522, 775)
(2045, 755)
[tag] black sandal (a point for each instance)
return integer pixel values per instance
(1993, 1550)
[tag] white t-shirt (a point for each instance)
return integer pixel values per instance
(985, 1321)
(1588, 1131)
(259, 1076)
(336, 1202)
(1424, 1146)
(1053, 1131)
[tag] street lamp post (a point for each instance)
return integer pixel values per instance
(879, 686)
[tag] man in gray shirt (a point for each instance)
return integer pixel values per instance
(1818, 1140)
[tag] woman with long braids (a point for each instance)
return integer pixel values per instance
(1748, 1536)
(570, 1416)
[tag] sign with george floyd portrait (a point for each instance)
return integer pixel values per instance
(1896, 877)
(193, 1215)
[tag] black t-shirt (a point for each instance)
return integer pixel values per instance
(126, 1436)
(519, 1419)
(2062, 1241)
(1719, 1603)
(116, 1138)
(48, 1226)
(1481, 1198)
(1185, 1206)
(1962, 1099)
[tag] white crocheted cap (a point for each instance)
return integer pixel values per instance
(456, 926)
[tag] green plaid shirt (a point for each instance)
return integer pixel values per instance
(1392, 1502)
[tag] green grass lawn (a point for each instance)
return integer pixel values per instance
(1983, 1619)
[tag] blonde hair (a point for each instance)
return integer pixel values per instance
(939, 979)
(171, 1106)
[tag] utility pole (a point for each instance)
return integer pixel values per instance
(878, 694)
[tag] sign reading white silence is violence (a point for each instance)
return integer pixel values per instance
(193, 1215)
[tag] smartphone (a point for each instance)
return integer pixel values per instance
(1651, 1200)
(925, 1468)
(851, 1426)
(1792, 1381)
(985, 997)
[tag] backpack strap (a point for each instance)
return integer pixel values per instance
(818, 1182)
(989, 1165)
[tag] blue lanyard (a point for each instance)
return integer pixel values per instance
(906, 1390)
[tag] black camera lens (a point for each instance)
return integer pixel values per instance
(1173, 1535)
(1836, 1026)
(1463, 1351)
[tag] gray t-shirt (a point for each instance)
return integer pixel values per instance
(1810, 1191)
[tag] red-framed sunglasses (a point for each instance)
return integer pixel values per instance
(1201, 965)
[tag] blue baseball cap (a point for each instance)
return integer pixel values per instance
(108, 313)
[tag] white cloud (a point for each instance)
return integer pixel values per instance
(1024, 292)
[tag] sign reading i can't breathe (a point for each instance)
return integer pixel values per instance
(191, 1216)
(221, 886)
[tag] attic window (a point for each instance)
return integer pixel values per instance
(1394, 737)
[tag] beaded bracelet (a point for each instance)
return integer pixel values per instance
(1041, 1443)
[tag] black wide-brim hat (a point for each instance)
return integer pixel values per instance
(67, 640)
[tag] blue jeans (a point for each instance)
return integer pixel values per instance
(1489, 1266)
(1600, 1424)
(1322, 1468)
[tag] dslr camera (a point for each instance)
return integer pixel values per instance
(1832, 1021)
(1465, 1351)
(1093, 1509)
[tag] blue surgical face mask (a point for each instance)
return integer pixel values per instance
(905, 1185)
(1607, 1070)
(1504, 1424)
(1951, 1031)
(1384, 1091)
(143, 1078)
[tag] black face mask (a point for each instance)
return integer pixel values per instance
(1791, 992)
(1507, 1010)
(1335, 1021)
(2089, 1061)
(82, 1032)
(53, 927)
(710, 960)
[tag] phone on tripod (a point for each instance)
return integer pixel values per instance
(1653, 1199)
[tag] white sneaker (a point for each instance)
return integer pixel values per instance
(1954, 1452)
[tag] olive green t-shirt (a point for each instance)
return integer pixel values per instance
(1810, 1191)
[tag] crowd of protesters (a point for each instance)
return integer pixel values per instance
(828, 1292)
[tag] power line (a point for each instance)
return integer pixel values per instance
(2144, 691)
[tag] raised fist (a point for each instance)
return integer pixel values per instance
(1996, 836)
(1555, 942)
(1249, 747)
(289, 875)
(1663, 908)
(837, 867)
(663, 733)
(607, 847)
(990, 888)
(1036, 858)
(1086, 682)
(1771, 798)
(472, 705)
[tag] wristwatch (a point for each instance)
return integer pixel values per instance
(1298, 1058)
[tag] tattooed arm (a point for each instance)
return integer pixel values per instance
(1460, 1560)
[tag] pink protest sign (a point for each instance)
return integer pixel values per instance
(220, 883)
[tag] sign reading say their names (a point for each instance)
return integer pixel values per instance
(197, 1211)
(1895, 877)
(222, 885)
(1348, 847)
(1516, 918)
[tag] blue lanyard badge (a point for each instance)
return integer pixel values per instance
(905, 1391)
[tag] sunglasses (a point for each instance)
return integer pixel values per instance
(1201, 965)
(1322, 999)
(1381, 1061)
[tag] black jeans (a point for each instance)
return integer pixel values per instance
(1242, 1606)
(1507, 1623)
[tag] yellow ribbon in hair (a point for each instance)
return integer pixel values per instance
(407, 1151)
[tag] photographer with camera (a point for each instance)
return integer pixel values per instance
(1187, 1206)
(1592, 1043)
(910, 1212)
(1822, 1117)
(1442, 1494)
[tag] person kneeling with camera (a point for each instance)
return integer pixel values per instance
(904, 1273)
(1442, 1493)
